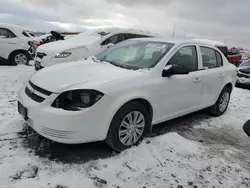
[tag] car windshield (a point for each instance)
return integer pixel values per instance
(245, 63)
(135, 54)
(26, 34)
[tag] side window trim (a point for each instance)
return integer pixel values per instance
(215, 51)
(183, 46)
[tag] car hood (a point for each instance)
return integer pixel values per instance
(75, 75)
(244, 70)
(64, 45)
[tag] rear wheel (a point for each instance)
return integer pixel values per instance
(19, 58)
(128, 126)
(221, 104)
(246, 128)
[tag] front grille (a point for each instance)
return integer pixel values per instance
(34, 96)
(243, 75)
(40, 55)
(57, 133)
(43, 91)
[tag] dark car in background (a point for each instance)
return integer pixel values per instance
(243, 74)
(232, 55)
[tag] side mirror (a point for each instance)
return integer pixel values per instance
(174, 70)
(110, 45)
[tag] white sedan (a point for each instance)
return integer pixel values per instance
(120, 93)
(83, 45)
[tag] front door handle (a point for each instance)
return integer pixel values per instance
(11, 43)
(197, 79)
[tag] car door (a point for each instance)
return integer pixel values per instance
(8, 42)
(181, 94)
(212, 75)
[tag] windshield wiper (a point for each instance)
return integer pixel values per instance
(95, 59)
(116, 64)
(121, 66)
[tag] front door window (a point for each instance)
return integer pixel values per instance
(186, 57)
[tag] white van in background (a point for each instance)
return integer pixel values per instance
(83, 45)
(15, 45)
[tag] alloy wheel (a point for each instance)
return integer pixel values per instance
(224, 102)
(21, 59)
(131, 128)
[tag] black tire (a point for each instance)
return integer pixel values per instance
(113, 134)
(12, 59)
(215, 109)
(246, 128)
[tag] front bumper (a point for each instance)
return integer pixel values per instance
(88, 125)
(243, 79)
(38, 66)
(48, 61)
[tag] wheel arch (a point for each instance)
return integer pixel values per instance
(229, 85)
(140, 99)
(18, 50)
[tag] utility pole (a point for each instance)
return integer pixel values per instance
(173, 32)
(185, 34)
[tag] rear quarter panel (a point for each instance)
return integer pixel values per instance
(230, 72)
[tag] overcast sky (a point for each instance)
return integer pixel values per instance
(224, 20)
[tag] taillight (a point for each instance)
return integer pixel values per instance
(37, 43)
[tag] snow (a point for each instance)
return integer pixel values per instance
(211, 42)
(243, 80)
(194, 150)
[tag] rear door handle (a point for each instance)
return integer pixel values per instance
(11, 43)
(221, 75)
(197, 79)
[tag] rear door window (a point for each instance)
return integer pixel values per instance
(210, 58)
(219, 59)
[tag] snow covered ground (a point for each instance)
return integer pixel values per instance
(193, 151)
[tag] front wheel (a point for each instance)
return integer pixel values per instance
(128, 126)
(19, 58)
(222, 103)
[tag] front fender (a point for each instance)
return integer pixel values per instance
(20, 50)
(127, 97)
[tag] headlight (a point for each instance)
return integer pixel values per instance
(75, 100)
(63, 54)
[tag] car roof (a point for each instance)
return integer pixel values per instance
(178, 41)
(211, 42)
(16, 29)
(113, 30)
(10, 26)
